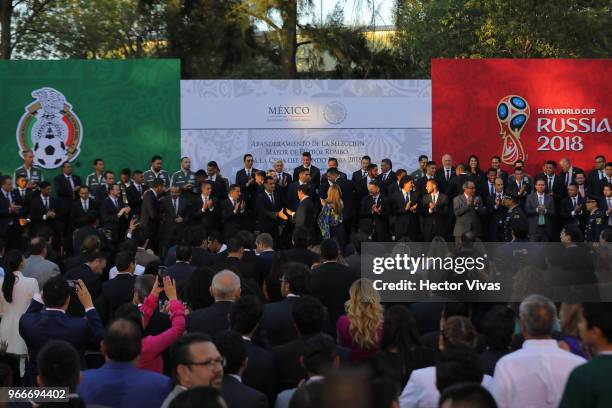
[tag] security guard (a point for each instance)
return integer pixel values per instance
(514, 216)
(156, 172)
(96, 179)
(33, 174)
(595, 223)
(184, 178)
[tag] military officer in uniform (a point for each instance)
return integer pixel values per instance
(514, 216)
(156, 172)
(96, 179)
(184, 178)
(32, 173)
(595, 223)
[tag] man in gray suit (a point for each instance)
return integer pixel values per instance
(36, 266)
(540, 210)
(468, 208)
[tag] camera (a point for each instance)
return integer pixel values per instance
(161, 272)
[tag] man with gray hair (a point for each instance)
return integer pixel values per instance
(535, 375)
(264, 246)
(36, 265)
(225, 288)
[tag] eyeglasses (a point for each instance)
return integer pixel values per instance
(210, 363)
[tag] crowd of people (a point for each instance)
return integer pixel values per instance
(188, 290)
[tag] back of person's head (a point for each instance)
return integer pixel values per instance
(12, 261)
(131, 312)
(537, 314)
(248, 239)
(598, 318)
(296, 275)
(574, 232)
(467, 395)
(196, 292)
(59, 365)
(264, 239)
(183, 253)
(459, 331)
(129, 245)
(245, 314)
(309, 395)
(234, 244)
(458, 364)
(38, 246)
(143, 285)
(122, 340)
(199, 397)
(606, 235)
(55, 292)
(225, 286)
(90, 244)
(400, 332)
(123, 260)
(319, 355)
(308, 315)
(300, 237)
(329, 249)
(498, 327)
(231, 346)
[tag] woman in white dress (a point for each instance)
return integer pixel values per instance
(15, 297)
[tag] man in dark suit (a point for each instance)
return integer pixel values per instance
(277, 320)
(487, 188)
(315, 173)
(387, 176)
(120, 289)
(519, 185)
(150, 214)
(572, 207)
(358, 176)
(554, 183)
(200, 255)
(174, 210)
(584, 190)
(496, 213)
(445, 174)
(304, 215)
(430, 174)
(39, 325)
(300, 252)
(206, 209)
(89, 273)
(395, 186)
(233, 212)
(44, 209)
(606, 204)
(114, 214)
(373, 214)
(225, 288)
(540, 211)
(136, 191)
(291, 199)
(268, 204)
(182, 270)
(82, 209)
(404, 204)
(455, 186)
(9, 210)
(496, 164)
(330, 282)
(332, 163)
(130, 194)
(245, 179)
(434, 210)
(218, 183)
(568, 172)
(236, 394)
(468, 208)
(66, 186)
(597, 176)
(361, 188)
(282, 179)
(103, 190)
(234, 261)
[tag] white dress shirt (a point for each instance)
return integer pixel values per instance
(421, 390)
(139, 270)
(533, 376)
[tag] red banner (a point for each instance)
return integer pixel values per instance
(529, 109)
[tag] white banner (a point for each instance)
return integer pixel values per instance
(274, 119)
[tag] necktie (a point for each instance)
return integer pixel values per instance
(249, 173)
(23, 194)
(581, 189)
(434, 198)
(601, 174)
(174, 205)
(8, 197)
(85, 205)
(406, 197)
(278, 179)
(540, 216)
(519, 184)
(574, 202)
(233, 202)
(139, 189)
(46, 200)
(271, 198)
(384, 177)
(447, 174)
(364, 173)
(609, 180)
(567, 179)
(115, 203)
(492, 189)
(70, 181)
(549, 183)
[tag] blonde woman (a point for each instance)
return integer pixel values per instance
(330, 217)
(361, 328)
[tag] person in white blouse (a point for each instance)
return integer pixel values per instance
(15, 297)
(535, 375)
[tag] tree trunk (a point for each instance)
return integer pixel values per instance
(6, 16)
(289, 39)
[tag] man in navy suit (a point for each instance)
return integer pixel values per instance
(304, 215)
(114, 213)
(39, 325)
(181, 271)
(43, 209)
(9, 210)
(118, 383)
(315, 173)
(267, 205)
(120, 289)
(66, 187)
(606, 204)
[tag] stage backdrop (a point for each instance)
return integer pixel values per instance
(275, 119)
(530, 109)
(77, 110)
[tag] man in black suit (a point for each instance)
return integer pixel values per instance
(9, 211)
(282, 179)
(606, 205)
(540, 210)
(120, 289)
(373, 214)
(200, 255)
(150, 214)
(455, 186)
(129, 192)
(44, 209)
(233, 212)
(395, 186)
(554, 183)
(174, 211)
(66, 187)
(181, 271)
(332, 163)
(496, 164)
(82, 209)
(300, 252)
(236, 394)
(434, 211)
(114, 214)
(404, 205)
(23, 195)
(89, 272)
(245, 179)
(234, 261)
(41, 324)
(487, 187)
(496, 213)
(387, 176)
(218, 183)
(225, 288)
(205, 208)
(103, 190)
(568, 172)
(245, 317)
(330, 282)
(430, 174)
(291, 199)
(519, 185)
(277, 320)
(583, 189)
(268, 205)
(446, 174)
(304, 215)
(315, 173)
(135, 194)
(361, 189)
(572, 207)
(597, 176)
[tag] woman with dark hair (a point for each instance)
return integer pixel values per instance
(196, 291)
(17, 293)
(400, 344)
(498, 329)
(474, 172)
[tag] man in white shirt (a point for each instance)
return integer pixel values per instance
(535, 375)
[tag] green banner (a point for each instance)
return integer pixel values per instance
(122, 111)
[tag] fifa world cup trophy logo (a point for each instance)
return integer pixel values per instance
(512, 114)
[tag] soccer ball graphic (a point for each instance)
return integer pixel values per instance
(50, 152)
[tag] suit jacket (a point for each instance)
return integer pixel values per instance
(24, 201)
(434, 223)
(150, 213)
(512, 187)
(232, 222)
(78, 215)
(303, 255)
(440, 177)
(210, 320)
(595, 184)
(238, 395)
(110, 220)
(260, 361)
(65, 193)
(201, 257)
(180, 272)
(208, 219)
(291, 197)
(305, 217)
(387, 183)
(101, 192)
(468, 217)
(575, 170)
(238, 265)
(282, 190)
(348, 195)
(267, 221)
(455, 186)
(248, 193)
(372, 223)
(603, 206)
(566, 208)
(169, 229)
(278, 321)
(219, 187)
(38, 211)
(495, 220)
(330, 283)
(6, 218)
(116, 384)
(315, 175)
(144, 257)
(91, 280)
(404, 222)
(531, 210)
(420, 186)
(558, 188)
(39, 268)
(38, 325)
(115, 292)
